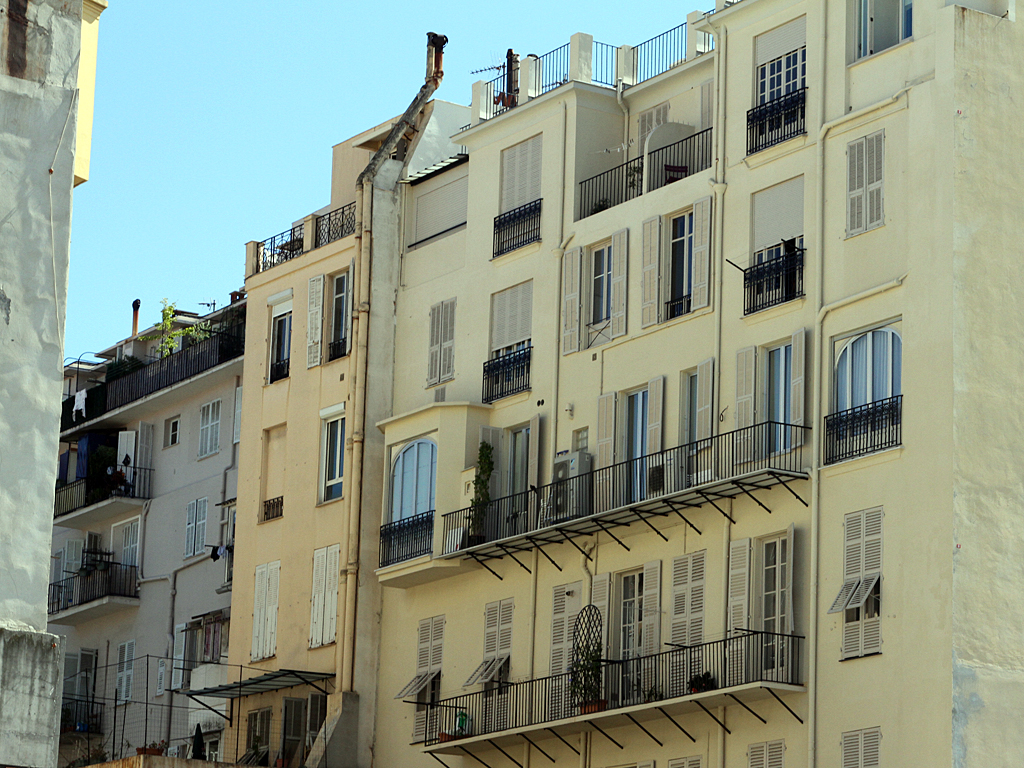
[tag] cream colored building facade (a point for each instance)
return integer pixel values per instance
(739, 335)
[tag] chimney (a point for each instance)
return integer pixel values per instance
(135, 317)
(435, 57)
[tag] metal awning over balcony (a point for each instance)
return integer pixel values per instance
(669, 483)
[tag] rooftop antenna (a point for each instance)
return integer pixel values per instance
(211, 304)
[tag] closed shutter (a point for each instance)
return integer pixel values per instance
(571, 300)
(757, 756)
(600, 597)
(190, 529)
(237, 436)
(521, 173)
(797, 398)
(558, 630)
(447, 340)
(874, 167)
(707, 104)
(871, 743)
(606, 429)
(314, 320)
(436, 643)
(651, 640)
(201, 514)
(620, 265)
(700, 295)
(259, 610)
(778, 213)
(73, 554)
(693, 761)
(129, 669)
(512, 316)
(316, 609)
(738, 612)
(852, 750)
(178, 662)
(142, 480)
(441, 209)
(705, 396)
(509, 174)
(745, 373)
(650, 304)
(777, 42)
(533, 454)
(130, 543)
(492, 436)
(434, 347)
(348, 304)
(688, 588)
(856, 187)
(331, 593)
(655, 413)
(273, 590)
(645, 764)
(776, 751)
(161, 676)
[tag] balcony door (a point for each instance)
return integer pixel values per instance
(780, 396)
(869, 369)
(636, 444)
(681, 285)
(413, 480)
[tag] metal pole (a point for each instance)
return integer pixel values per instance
(238, 718)
(115, 721)
(145, 736)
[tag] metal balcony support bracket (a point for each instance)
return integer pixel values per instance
(546, 556)
(682, 517)
(776, 697)
(647, 522)
(597, 728)
(752, 496)
(558, 736)
(442, 762)
(731, 696)
(785, 485)
(568, 539)
(485, 765)
(677, 725)
(506, 754)
(307, 682)
(509, 552)
(697, 702)
(711, 501)
(601, 525)
(532, 744)
(644, 730)
(485, 565)
(204, 704)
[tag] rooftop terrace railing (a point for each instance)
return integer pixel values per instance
(339, 223)
(280, 248)
(659, 54)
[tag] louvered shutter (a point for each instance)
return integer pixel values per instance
(533, 454)
(419, 726)
(571, 300)
(620, 266)
(705, 396)
(853, 569)
(499, 320)
(604, 481)
(655, 411)
(852, 750)
(871, 747)
(316, 607)
(434, 352)
(651, 276)
(797, 399)
(273, 590)
(874, 171)
(600, 597)
(738, 612)
(441, 209)
(238, 416)
(651, 639)
(680, 627)
(757, 756)
(129, 669)
(856, 187)
(506, 610)
(776, 751)
(202, 506)
(161, 676)
(695, 602)
(142, 480)
(73, 554)
(693, 761)
(871, 641)
(790, 627)
(491, 618)
(447, 340)
(558, 630)
(707, 104)
(509, 177)
(492, 436)
(423, 646)
(348, 304)
(699, 291)
(119, 686)
(259, 610)
(745, 372)
(178, 658)
(331, 593)
(645, 764)
(532, 171)
(190, 529)
(314, 320)
(436, 644)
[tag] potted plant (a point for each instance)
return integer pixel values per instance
(481, 494)
(153, 748)
(701, 682)
(601, 205)
(634, 176)
(585, 680)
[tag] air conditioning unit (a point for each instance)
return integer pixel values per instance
(571, 465)
(571, 491)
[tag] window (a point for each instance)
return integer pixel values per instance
(861, 748)
(882, 24)
(869, 369)
(779, 396)
(518, 459)
(521, 173)
(601, 287)
(782, 75)
(767, 754)
(317, 715)
(693, 761)
(80, 674)
(209, 429)
(865, 159)
(264, 612)
(125, 671)
(213, 750)
(172, 431)
(770, 387)
(334, 458)
(413, 479)
(280, 335)
(237, 435)
(187, 642)
(776, 568)
(497, 643)
(511, 319)
(426, 685)
(690, 388)
(341, 317)
(860, 597)
(681, 266)
(127, 535)
(440, 210)
(227, 541)
(674, 278)
(566, 602)
(649, 120)
(323, 616)
(630, 614)
(441, 358)
(257, 735)
(195, 527)
(581, 440)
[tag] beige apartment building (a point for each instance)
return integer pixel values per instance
(701, 446)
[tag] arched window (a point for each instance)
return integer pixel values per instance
(413, 479)
(869, 369)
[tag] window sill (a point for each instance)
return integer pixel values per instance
(876, 54)
(329, 502)
(873, 229)
(269, 520)
(865, 656)
(207, 456)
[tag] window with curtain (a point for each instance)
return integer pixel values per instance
(413, 480)
(869, 369)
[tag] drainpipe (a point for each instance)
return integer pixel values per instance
(360, 329)
(620, 90)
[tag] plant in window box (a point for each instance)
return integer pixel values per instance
(585, 680)
(701, 682)
(153, 748)
(481, 494)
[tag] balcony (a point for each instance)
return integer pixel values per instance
(223, 345)
(776, 121)
(672, 481)
(85, 503)
(864, 429)
(279, 370)
(678, 307)
(337, 348)
(774, 281)
(97, 590)
(737, 670)
(517, 228)
(285, 246)
(273, 509)
(335, 225)
(679, 160)
(507, 374)
(406, 539)
(80, 716)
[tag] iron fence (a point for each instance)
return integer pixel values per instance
(659, 54)
(503, 92)
(279, 369)
(516, 228)
(337, 348)
(766, 447)
(101, 579)
(280, 248)
(406, 539)
(80, 715)
(95, 406)
(507, 374)
(678, 307)
(776, 121)
(117, 481)
(273, 508)
(679, 160)
(339, 223)
(610, 684)
(774, 281)
(603, 64)
(613, 187)
(554, 68)
(864, 429)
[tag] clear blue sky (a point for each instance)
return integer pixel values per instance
(214, 126)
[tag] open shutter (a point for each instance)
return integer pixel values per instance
(491, 616)
(871, 742)
(651, 640)
(571, 300)
(559, 651)
(757, 755)
(509, 178)
(738, 612)
(434, 351)
(620, 263)
(699, 291)
(695, 602)
(202, 506)
(273, 589)
(852, 750)
(331, 593)
(423, 647)
(237, 436)
(190, 529)
(874, 167)
(73, 554)
(797, 399)
(314, 320)
(705, 397)
(533, 453)
(447, 340)
(655, 409)
(178, 662)
(436, 643)
(606, 430)
(707, 104)
(855, 188)
(651, 302)
(492, 436)
(853, 570)
(259, 611)
(506, 609)
(871, 641)
(348, 305)
(316, 609)
(142, 480)
(161, 676)
(126, 448)
(600, 595)
(790, 557)
(119, 687)
(745, 372)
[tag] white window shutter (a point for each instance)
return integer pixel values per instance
(856, 187)
(447, 340)
(492, 613)
(645, 764)
(178, 662)
(434, 351)
(874, 171)
(119, 688)
(126, 448)
(348, 305)
(201, 514)
(509, 180)
(679, 632)
(533, 169)
(506, 610)
(739, 584)
(871, 747)
(871, 639)
(315, 321)
(695, 602)
(73, 554)
(705, 396)
(419, 726)
(757, 756)
(331, 593)
(571, 300)
(423, 646)
(655, 413)
(797, 398)
(129, 669)
(745, 386)
(600, 598)
(499, 320)
(700, 295)
(161, 676)
(606, 430)
(790, 627)
(776, 751)
(190, 529)
(144, 458)
(259, 610)
(533, 453)
(559, 651)
(620, 267)
(238, 416)
(707, 104)
(651, 640)
(316, 607)
(273, 590)
(650, 305)
(852, 750)
(436, 643)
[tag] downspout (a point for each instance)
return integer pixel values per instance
(620, 89)
(360, 329)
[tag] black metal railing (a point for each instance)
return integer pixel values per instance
(679, 160)
(280, 248)
(774, 281)
(339, 223)
(117, 481)
(776, 121)
(611, 188)
(102, 579)
(602, 70)
(273, 508)
(516, 228)
(406, 539)
(864, 429)
(678, 307)
(279, 370)
(659, 54)
(503, 92)
(554, 68)
(766, 447)
(80, 715)
(507, 374)
(337, 348)
(610, 684)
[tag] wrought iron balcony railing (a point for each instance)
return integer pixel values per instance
(273, 508)
(119, 481)
(337, 348)
(516, 228)
(679, 160)
(611, 188)
(678, 307)
(774, 281)
(865, 429)
(406, 539)
(507, 374)
(776, 121)
(80, 715)
(279, 370)
(335, 225)
(99, 580)
(685, 671)
(280, 248)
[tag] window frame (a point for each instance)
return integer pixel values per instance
(209, 433)
(604, 247)
(687, 238)
(172, 431)
(327, 484)
(790, 72)
(865, 25)
(844, 345)
(339, 334)
(395, 486)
